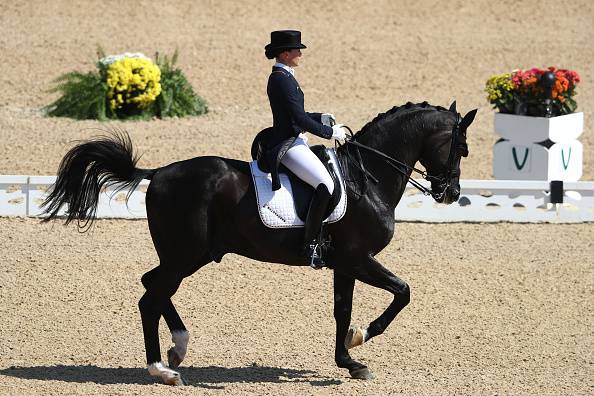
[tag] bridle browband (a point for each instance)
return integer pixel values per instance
(456, 147)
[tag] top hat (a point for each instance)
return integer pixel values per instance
(283, 40)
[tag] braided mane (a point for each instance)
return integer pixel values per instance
(407, 108)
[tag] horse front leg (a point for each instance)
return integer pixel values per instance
(343, 304)
(371, 272)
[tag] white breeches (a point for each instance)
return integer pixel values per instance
(300, 160)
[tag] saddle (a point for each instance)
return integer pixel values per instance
(288, 206)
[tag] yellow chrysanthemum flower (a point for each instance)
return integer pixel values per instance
(133, 81)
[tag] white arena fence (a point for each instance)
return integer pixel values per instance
(480, 201)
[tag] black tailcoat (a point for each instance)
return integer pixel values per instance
(290, 118)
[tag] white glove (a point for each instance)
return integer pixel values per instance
(328, 119)
(338, 132)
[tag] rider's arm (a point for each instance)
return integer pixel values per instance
(317, 117)
(303, 119)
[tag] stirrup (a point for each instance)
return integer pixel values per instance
(313, 252)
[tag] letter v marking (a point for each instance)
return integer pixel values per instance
(518, 165)
(565, 165)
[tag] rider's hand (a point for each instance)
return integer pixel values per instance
(339, 132)
(328, 119)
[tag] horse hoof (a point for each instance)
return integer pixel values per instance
(174, 380)
(362, 373)
(173, 359)
(355, 337)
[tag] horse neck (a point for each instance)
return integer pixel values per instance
(399, 141)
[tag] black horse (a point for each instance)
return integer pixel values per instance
(202, 208)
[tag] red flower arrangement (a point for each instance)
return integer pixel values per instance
(534, 92)
(531, 91)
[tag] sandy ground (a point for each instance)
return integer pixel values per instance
(496, 308)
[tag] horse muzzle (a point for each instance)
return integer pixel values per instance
(447, 193)
(452, 194)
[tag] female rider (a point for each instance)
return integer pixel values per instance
(288, 143)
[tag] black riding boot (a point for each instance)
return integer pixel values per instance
(313, 226)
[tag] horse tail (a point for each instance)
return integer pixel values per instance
(89, 167)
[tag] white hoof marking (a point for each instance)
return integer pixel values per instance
(355, 337)
(168, 376)
(180, 338)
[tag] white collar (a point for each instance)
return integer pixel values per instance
(287, 68)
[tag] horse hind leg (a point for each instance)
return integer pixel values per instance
(160, 287)
(179, 334)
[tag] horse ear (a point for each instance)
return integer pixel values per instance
(468, 118)
(453, 106)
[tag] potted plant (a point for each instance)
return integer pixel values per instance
(537, 124)
(127, 86)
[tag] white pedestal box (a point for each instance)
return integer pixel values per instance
(532, 161)
(524, 129)
(538, 148)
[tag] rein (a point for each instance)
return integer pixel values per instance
(399, 165)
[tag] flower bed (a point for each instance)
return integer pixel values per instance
(126, 86)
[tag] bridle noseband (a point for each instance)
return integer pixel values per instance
(458, 148)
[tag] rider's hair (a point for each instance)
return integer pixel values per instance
(273, 53)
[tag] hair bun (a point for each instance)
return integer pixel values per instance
(270, 53)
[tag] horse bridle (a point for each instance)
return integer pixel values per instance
(458, 148)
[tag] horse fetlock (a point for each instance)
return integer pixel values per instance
(356, 336)
(344, 360)
(167, 375)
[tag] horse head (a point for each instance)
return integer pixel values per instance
(444, 147)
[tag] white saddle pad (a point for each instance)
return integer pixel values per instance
(277, 209)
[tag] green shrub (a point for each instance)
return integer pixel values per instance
(126, 87)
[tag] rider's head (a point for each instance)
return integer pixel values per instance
(285, 46)
(289, 57)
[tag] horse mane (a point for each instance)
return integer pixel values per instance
(355, 175)
(396, 111)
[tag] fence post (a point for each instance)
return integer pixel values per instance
(556, 191)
